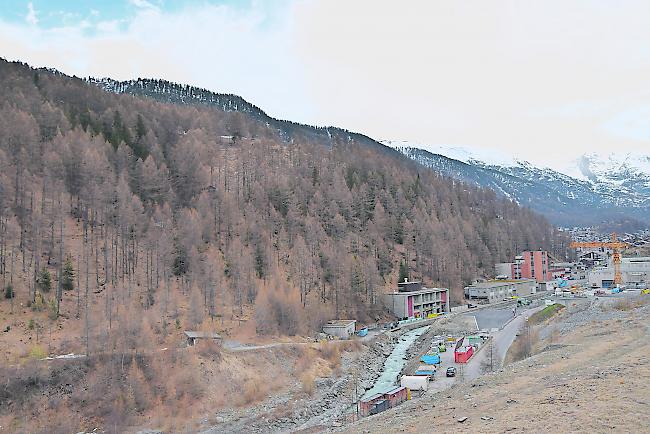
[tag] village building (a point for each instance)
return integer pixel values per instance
(341, 328)
(491, 291)
(635, 272)
(192, 337)
(412, 300)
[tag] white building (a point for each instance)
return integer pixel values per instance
(496, 290)
(635, 272)
(342, 328)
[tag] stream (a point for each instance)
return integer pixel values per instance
(395, 362)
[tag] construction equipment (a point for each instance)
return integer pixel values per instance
(613, 244)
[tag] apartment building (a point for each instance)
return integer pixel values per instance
(412, 300)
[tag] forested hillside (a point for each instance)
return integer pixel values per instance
(219, 201)
(125, 220)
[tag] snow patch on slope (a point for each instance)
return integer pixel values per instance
(466, 154)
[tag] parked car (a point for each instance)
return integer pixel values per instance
(451, 371)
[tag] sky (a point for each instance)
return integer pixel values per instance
(543, 80)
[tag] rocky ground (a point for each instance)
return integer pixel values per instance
(326, 407)
(590, 375)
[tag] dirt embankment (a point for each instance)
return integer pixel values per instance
(310, 399)
(590, 375)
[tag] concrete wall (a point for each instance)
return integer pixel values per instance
(340, 331)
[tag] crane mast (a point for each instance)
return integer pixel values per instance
(613, 244)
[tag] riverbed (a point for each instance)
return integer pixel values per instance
(395, 362)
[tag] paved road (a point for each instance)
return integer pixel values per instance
(490, 318)
(502, 340)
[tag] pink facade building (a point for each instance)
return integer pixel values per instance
(532, 265)
(412, 300)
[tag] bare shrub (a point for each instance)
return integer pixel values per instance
(37, 352)
(351, 346)
(330, 352)
(626, 304)
(278, 311)
(209, 349)
(305, 359)
(525, 344)
(188, 385)
(307, 381)
(253, 391)
(318, 314)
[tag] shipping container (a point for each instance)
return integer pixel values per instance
(413, 382)
(462, 355)
(380, 406)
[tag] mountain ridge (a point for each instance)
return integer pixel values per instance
(563, 199)
(176, 93)
(594, 198)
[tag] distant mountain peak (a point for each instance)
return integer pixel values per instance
(590, 190)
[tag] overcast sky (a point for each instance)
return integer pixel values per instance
(545, 80)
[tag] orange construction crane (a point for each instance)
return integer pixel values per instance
(616, 247)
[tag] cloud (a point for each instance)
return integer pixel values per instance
(246, 51)
(31, 17)
(536, 79)
(143, 4)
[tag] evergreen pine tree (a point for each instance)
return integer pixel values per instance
(260, 266)
(67, 279)
(45, 280)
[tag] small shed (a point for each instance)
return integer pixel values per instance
(366, 405)
(380, 406)
(342, 328)
(397, 396)
(192, 337)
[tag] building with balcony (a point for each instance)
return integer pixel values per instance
(412, 300)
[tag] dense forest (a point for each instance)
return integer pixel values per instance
(125, 220)
(220, 202)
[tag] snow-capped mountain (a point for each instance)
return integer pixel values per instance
(591, 190)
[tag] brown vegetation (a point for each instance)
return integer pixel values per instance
(125, 221)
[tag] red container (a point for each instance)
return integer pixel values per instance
(462, 355)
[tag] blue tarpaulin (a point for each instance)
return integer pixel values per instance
(430, 359)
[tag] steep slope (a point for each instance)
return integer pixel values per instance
(565, 200)
(165, 91)
(126, 220)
